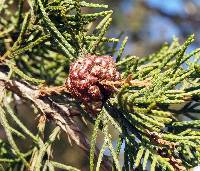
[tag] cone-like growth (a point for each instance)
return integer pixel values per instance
(85, 80)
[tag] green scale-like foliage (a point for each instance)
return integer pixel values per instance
(54, 34)
(152, 109)
(39, 43)
(149, 118)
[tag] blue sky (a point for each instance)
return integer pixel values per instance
(169, 6)
(161, 28)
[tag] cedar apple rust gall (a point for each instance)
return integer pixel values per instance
(85, 80)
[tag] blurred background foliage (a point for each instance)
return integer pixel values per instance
(148, 24)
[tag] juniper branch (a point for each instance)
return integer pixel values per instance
(60, 114)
